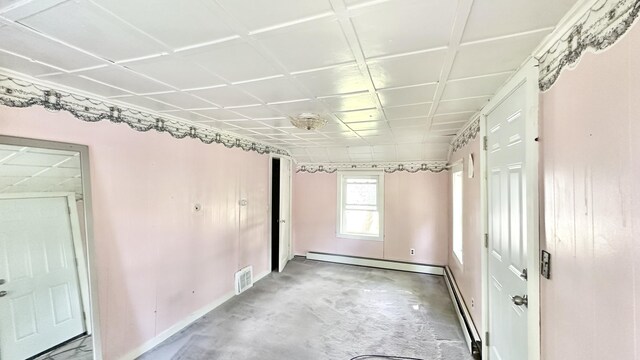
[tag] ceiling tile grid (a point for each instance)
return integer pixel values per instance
(397, 78)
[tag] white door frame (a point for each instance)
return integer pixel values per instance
(526, 76)
(281, 157)
(89, 251)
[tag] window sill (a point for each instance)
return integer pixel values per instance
(359, 237)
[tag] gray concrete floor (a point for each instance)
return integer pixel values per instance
(317, 311)
(78, 349)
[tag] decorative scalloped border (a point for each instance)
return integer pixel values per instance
(21, 94)
(466, 135)
(432, 166)
(600, 27)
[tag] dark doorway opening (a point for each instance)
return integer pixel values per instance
(275, 213)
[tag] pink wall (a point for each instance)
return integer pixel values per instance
(468, 275)
(416, 209)
(157, 260)
(591, 172)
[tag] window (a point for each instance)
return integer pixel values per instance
(456, 186)
(360, 204)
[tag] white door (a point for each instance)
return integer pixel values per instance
(41, 307)
(507, 228)
(285, 213)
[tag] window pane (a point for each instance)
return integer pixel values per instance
(457, 214)
(361, 222)
(361, 192)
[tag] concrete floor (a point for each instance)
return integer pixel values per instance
(78, 349)
(316, 311)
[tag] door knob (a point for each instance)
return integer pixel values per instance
(520, 300)
(3, 293)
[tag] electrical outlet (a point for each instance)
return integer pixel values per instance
(412, 252)
(473, 302)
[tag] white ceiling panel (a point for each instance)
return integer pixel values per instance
(403, 26)
(290, 45)
(477, 86)
(259, 112)
(172, 22)
(219, 114)
(182, 100)
(85, 25)
(460, 105)
(494, 56)
(456, 117)
(407, 95)
(294, 108)
(75, 81)
(488, 18)
(407, 70)
(124, 79)
(350, 102)
(256, 15)
(145, 102)
(407, 111)
(369, 125)
(233, 61)
(24, 65)
(274, 90)
(175, 71)
(226, 96)
(360, 115)
(332, 81)
(18, 40)
(410, 123)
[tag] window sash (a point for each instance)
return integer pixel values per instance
(371, 226)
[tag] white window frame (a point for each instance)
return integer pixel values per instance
(458, 252)
(342, 175)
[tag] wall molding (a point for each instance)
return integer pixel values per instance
(596, 28)
(389, 167)
(19, 93)
(466, 135)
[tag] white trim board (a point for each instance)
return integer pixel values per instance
(177, 327)
(377, 263)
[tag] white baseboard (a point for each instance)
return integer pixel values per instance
(131, 355)
(471, 336)
(376, 263)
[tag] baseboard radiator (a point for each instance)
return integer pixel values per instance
(474, 342)
(377, 263)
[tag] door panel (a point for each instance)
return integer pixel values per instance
(507, 213)
(285, 212)
(37, 261)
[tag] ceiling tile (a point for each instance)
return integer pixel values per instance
(249, 124)
(219, 114)
(332, 81)
(407, 111)
(407, 70)
(147, 103)
(256, 15)
(87, 85)
(404, 123)
(294, 108)
(494, 56)
(171, 22)
(408, 26)
(226, 96)
(478, 86)
(24, 65)
(176, 71)
(290, 45)
(407, 95)
(191, 116)
(470, 104)
(457, 117)
(350, 102)
(35, 47)
(274, 90)
(90, 28)
(488, 18)
(360, 115)
(369, 125)
(124, 79)
(182, 100)
(234, 61)
(259, 112)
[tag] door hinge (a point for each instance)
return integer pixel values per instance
(486, 241)
(486, 338)
(485, 143)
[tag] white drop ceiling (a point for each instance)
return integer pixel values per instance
(395, 78)
(35, 170)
